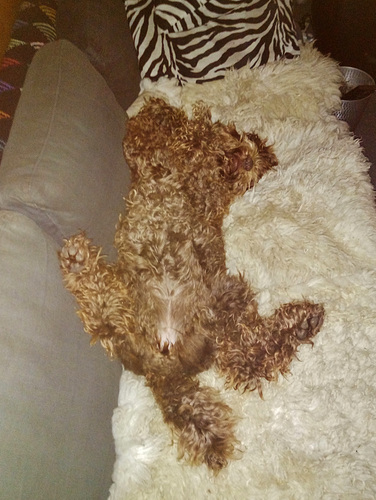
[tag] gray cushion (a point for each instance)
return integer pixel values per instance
(56, 393)
(63, 164)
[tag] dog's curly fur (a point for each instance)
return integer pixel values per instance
(168, 308)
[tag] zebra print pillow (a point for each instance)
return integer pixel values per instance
(197, 40)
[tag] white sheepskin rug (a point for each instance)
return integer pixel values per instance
(307, 229)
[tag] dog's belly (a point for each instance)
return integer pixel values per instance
(166, 272)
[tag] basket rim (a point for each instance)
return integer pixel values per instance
(364, 73)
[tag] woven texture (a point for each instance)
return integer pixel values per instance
(34, 27)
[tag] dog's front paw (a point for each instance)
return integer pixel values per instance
(75, 254)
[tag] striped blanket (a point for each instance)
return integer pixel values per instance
(198, 40)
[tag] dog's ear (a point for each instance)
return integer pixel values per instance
(156, 123)
(150, 132)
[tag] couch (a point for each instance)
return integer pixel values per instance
(62, 169)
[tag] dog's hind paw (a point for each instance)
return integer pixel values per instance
(265, 348)
(203, 424)
(75, 254)
(311, 323)
(208, 434)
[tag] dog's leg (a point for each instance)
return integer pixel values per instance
(253, 348)
(204, 425)
(105, 305)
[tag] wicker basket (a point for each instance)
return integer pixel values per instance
(351, 111)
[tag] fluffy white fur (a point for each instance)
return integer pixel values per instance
(308, 229)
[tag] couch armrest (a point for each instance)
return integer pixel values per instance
(63, 165)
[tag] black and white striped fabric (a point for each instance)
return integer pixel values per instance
(198, 40)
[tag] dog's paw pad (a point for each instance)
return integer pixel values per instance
(74, 255)
(311, 325)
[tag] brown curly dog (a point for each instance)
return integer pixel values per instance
(168, 308)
